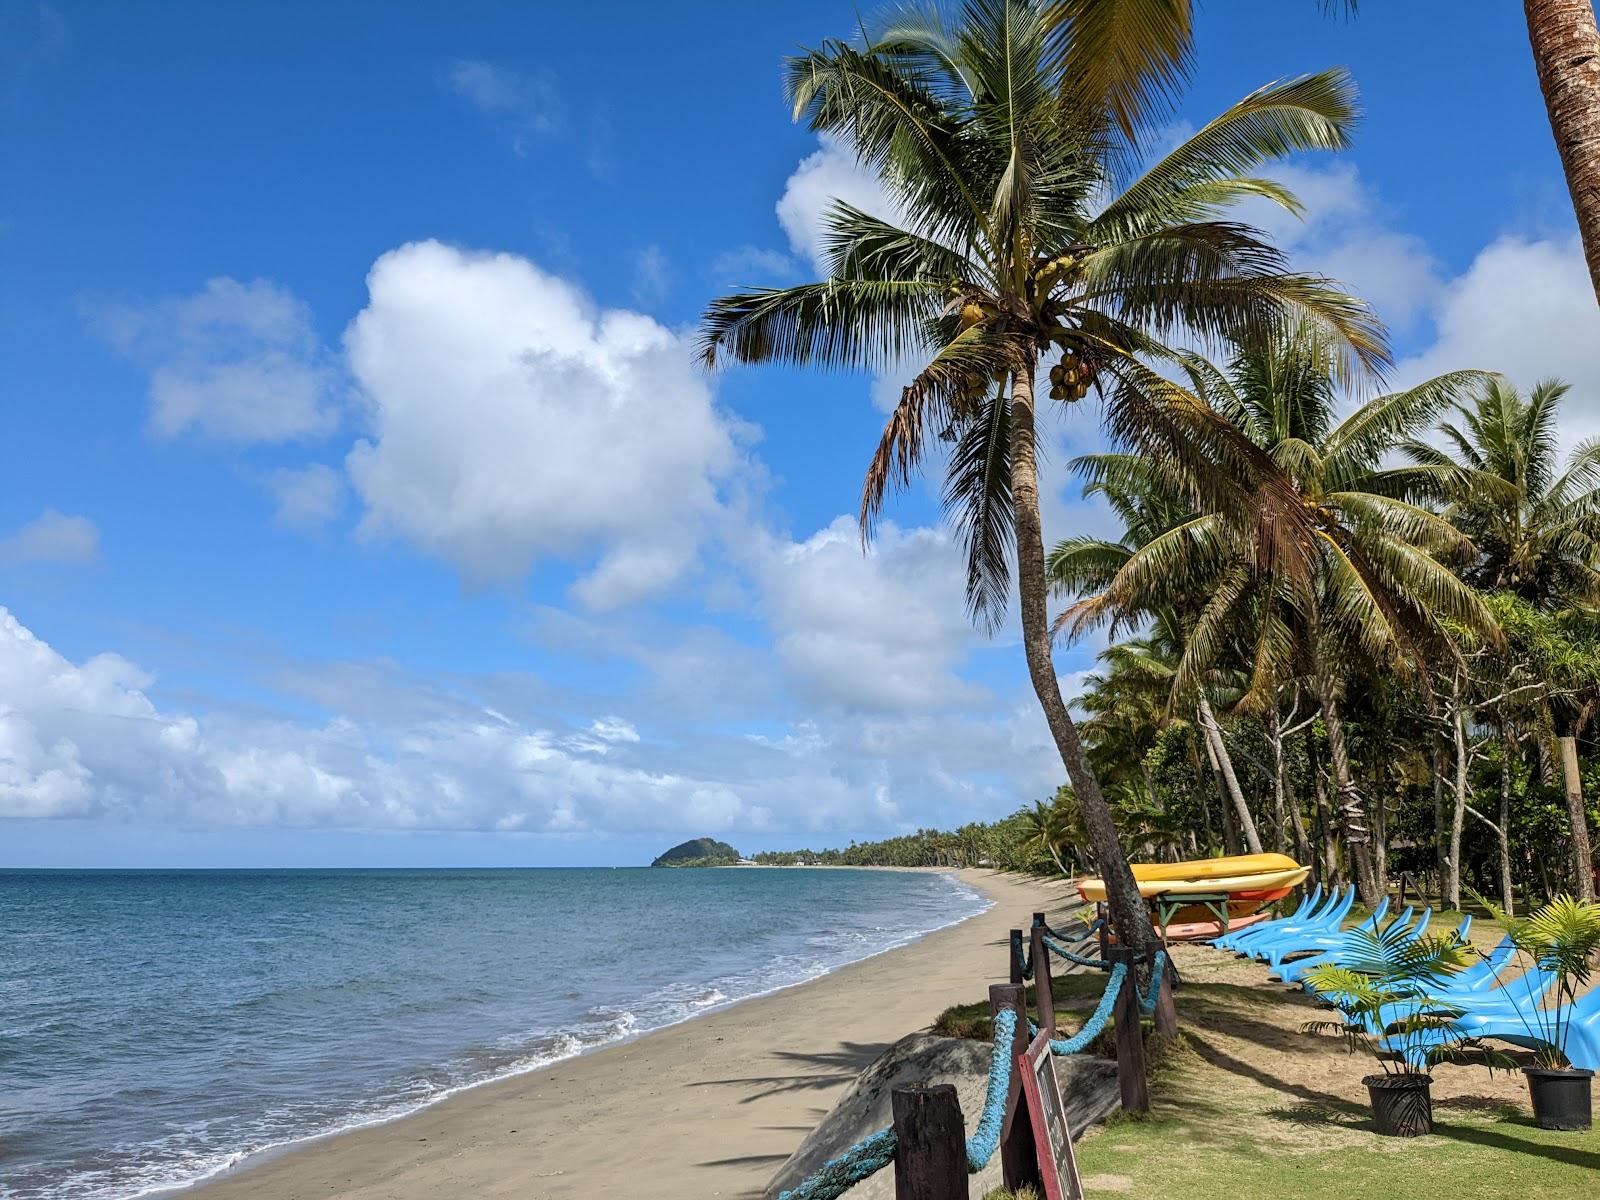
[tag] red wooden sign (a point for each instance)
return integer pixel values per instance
(1052, 1138)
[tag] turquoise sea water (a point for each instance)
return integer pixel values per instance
(158, 1026)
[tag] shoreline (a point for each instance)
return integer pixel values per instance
(644, 1107)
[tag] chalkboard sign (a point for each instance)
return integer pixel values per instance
(1052, 1138)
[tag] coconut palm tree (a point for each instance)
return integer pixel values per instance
(1566, 53)
(1380, 589)
(1536, 523)
(1023, 232)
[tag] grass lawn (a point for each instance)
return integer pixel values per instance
(1248, 1106)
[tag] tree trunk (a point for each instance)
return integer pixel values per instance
(1352, 814)
(1582, 856)
(1225, 766)
(1279, 809)
(1128, 912)
(1566, 52)
(1506, 898)
(1450, 887)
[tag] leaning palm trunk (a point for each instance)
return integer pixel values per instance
(1450, 885)
(1230, 778)
(1128, 912)
(1352, 813)
(1566, 51)
(1582, 855)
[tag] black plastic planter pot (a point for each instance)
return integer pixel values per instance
(1560, 1098)
(1402, 1105)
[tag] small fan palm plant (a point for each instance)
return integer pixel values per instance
(1388, 970)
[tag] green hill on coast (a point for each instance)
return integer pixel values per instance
(698, 852)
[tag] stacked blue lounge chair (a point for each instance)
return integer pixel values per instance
(1505, 998)
(1321, 922)
(1308, 905)
(1516, 1023)
(1295, 972)
(1332, 936)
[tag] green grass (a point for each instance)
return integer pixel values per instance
(1249, 1107)
(1206, 1150)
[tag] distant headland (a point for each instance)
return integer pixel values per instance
(698, 852)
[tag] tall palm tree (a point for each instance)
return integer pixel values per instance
(1566, 53)
(1379, 589)
(1024, 234)
(1536, 523)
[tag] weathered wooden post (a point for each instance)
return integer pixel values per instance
(1016, 956)
(1038, 920)
(1129, 1037)
(1166, 1010)
(1105, 931)
(1044, 995)
(1019, 1164)
(930, 1143)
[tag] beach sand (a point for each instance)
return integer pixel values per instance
(709, 1107)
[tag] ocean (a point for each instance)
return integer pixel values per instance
(159, 1026)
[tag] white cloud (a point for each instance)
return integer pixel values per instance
(237, 362)
(88, 740)
(831, 173)
(308, 497)
(1345, 234)
(52, 537)
(1525, 308)
(511, 420)
(526, 105)
(882, 630)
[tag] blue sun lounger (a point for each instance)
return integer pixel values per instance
(1347, 946)
(1308, 905)
(1296, 972)
(1324, 923)
(1525, 992)
(1583, 1033)
(1320, 941)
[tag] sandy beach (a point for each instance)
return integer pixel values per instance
(706, 1108)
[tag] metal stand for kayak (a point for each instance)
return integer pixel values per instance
(1215, 903)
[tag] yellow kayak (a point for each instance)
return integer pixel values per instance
(1215, 868)
(1093, 889)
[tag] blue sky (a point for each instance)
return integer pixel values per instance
(360, 504)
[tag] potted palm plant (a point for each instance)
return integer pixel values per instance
(1563, 938)
(1389, 971)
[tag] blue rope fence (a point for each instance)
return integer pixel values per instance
(1098, 1019)
(876, 1151)
(838, 1175)
(1061, 951)
(980, 1146)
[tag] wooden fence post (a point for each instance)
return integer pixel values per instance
(1044, 992)
(1166, 1010)
(930, 1143)
(1019, 1165)
(1129, 1037)
(1105, 932)
(1038, 919)
(1016, 956)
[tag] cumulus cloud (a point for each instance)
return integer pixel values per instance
(88, 740)
(1346, 233)
(236, 362)
(1525, 307)
(883, 630)
(308, 497)
(831, 173)
(510, 419)
(52, 537)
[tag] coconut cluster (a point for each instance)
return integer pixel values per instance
(1070, 378)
